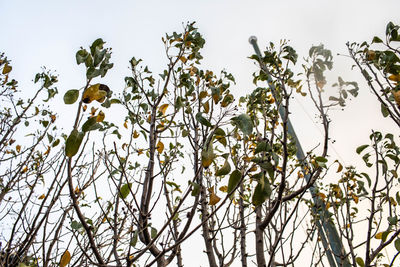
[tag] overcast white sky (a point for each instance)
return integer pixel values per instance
(48, 33)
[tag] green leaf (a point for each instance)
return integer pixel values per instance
(134, 239)
(385, 235)
(73, 143)
(76, 225)
(261, 147)
(196, 189)
(384, 110)
(55, 143)
(92, 73)
(397, 244)
(98, 43)
(266, 165)
(153, 232)
(361, 148)
(244, 123)
(321, 159)
(125, 190)
(376, 40)
(262, 191)
(81, 56)
(367, 177)
(207, 156)
(392, 220)
(224, 169)
(234, 180)
(360, 261)
(89, 125)
(202, 120)
(398, 198)
(71, 96)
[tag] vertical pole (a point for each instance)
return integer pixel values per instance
(329, 235)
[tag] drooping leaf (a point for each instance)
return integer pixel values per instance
(262, 191)
(397, 244)
(65, 259)
(125, 190)
(153, 232)
(361, 148)
(73, 143)
(202, 120)
(163, 108)
(196, 189)
(384, 110)
(207, 156)
(160, 147)
(214, 199)
(134, 239)
(224, 170)
(234, 180)
(244, 123)
(71, 96)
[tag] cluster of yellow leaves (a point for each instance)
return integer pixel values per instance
(97, 92)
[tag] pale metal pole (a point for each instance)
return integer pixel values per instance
(328, 233)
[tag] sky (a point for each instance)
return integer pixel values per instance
(48, 33)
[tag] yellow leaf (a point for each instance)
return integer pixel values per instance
(96, 92)
(396, 95)
(93, 111)
(328, 205)
(371, 55)
(340, 167)
(163, 108)
(18, 148)
(140, 151)
(41, 196)
(76, 191)
(47, 151)
(135, 134)
(84, 107)
(53, 118)
(126, 124)
(214, 199)
(100, 117)
(270, 99)
(7, 68)
(183, 59)
(160, 147)
(300, 174)
(206, 107)
(355, 198)
(203, 94)
(223, 189)
(394, 77)
(65, 259)
(25, 169)
(322, 195)
(253, 168)
(379, 235)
